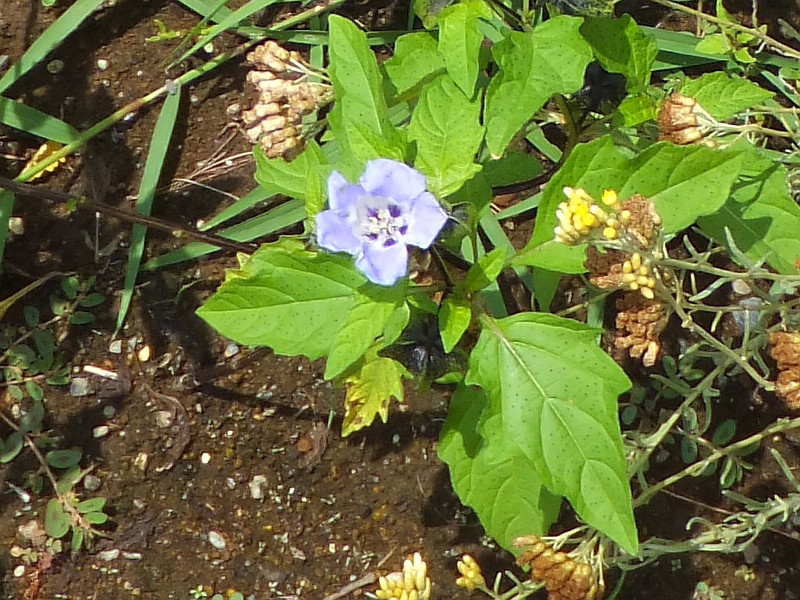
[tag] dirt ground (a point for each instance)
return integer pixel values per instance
(203, 422)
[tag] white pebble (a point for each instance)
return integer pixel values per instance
(216, 540)
(205, 458)
(102, 64)
(108, 555)
(19, 570)
(257, 485)
(115, 347)
(100, 431)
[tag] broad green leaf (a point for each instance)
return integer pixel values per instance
(684, 182)
(723, 95)
(454, 318)
(91, 505)
(415, 60)
(96, 518)
(287, 298)
(555, 392)
(514, 167)
(761, 215)
(446, 127)
(300, 178)
(621, 46)
(359, 118)
(636, 109)
(56, 519)
(460, 41)
(365, 322)
(533, 67)
(490, 474)
(486, 269)
(11, 448)
(715, 43)
(63, 459)
(369, 392)
(395, 324)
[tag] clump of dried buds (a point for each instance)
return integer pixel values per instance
(677, 120)
(638, 326)
(285, 96)
(412, 584)
(471, 576)
(785, 350)
(564, 577)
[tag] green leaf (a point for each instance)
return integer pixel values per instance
(723, 95)
(454, 319)
(81, 317)
(556, 394)
(621, 46)
(446, 127)
(635, 110)
(31, 421)
(369, 392)
(724, 433)
(92, 300)
(365, 322)
(63, 459)
(486, 270)
(359, 119)
(761, 215)
(460, 41)
(514, 167)
(715, 43)
(491, 474)
(395, 324)
(96, 518)
(415, 60)
(287, 298)
(91, 505)
(34, 390)
(56, 519)
(300, 178)
(684, 182)
(77, 539)
(11, 448)
(533, 67)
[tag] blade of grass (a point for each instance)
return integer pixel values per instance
(35, 122)
(278, 218)
(259, 194)
(159, 143)
(52, 37)
(494, 231)
(520, 207)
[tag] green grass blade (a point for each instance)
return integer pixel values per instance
(6, 206)
(259, 194)
(520, 207)
(278, 218)
(207, 10)
(159, 143)
(52, 37)
(230, 21)
(35, 122)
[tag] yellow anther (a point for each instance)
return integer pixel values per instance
(636, 260)
(609, 197)
(642, 280)
(625, 217)
(633, 285)
(627, 267)
(648, 293)
(651, 282)
(644, 270)
(589, 220)
(628, 278)
(609, 233)
(577, 223)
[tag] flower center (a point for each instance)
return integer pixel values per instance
(380, 220)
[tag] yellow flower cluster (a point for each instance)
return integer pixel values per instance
(636, 275)
(471, 576)
(412, 584)
(580, 216)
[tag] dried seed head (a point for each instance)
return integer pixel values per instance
(785, 350)
(677, 120)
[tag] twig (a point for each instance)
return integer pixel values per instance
(351, 587)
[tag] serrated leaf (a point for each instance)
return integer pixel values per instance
(56, 519)
(63, 459)
(460, 41)
(684, 183)
(362, 325)
(454, 318)
(415, 59)
(446, 127)
(369, 392)
(723, 95)
(486, 270)
(491, 475)
(761, 216)
(556, 394)
(533, 67)
(637, 109)
(300, 178)
(621, 46)
(359, 118)
(287, 298)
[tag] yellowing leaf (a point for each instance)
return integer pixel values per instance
(48, 148)
(369, 392)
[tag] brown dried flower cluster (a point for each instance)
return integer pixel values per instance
(641, 317)
(564, 577)
(284, 98)
(677, 120)
(785, 349)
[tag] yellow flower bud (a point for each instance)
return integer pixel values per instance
(609, 197)
(609, 233)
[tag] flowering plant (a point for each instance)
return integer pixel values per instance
(414, 150)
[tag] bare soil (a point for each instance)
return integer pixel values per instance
(332, 509)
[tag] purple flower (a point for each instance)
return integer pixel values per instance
(376, 219)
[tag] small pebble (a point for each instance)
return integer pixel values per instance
(115, 347)
(109, 411)
(231, 350)
(108, 555)
(19, 570)
(205, 458)
(138, 503)
(16, 225)
(216, 540)
(257, 486)
(141, 461)
(91, 483)
(132, 555)
(230, 483)
(79, 386)
(163, 418)
(55, 66)
(100, 431)
(144, 354)
(233, 110)
(102, 64)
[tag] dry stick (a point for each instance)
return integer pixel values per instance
(351, 587)
(101, 207)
